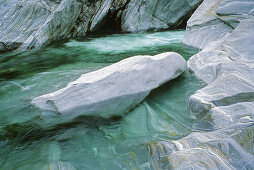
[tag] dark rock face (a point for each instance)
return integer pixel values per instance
(27, 24)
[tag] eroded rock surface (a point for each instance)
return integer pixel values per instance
(115, 89)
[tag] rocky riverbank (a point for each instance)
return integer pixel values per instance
(224, 30)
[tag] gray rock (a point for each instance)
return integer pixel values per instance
(115, 89)
(142, 15)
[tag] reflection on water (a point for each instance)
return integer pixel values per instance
(31, 140)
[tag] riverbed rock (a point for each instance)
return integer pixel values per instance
(115, 89)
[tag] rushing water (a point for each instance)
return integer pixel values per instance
(31, 140)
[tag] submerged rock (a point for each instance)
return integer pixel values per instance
(59, 166)
(115, 89)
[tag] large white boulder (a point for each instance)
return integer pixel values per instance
(115, 89)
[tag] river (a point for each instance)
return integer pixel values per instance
(32, 139)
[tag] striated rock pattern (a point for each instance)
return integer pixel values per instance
(214, 20)
(224, 108)
(26, 24)
(115, 89)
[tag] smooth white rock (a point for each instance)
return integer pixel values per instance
(240, 44)
(115, 89)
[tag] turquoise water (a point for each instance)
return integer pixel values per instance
(31, 140)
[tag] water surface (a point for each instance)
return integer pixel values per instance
(29, 139)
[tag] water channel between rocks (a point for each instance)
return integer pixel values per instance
(31, 139)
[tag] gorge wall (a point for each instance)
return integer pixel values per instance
(27, 24)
